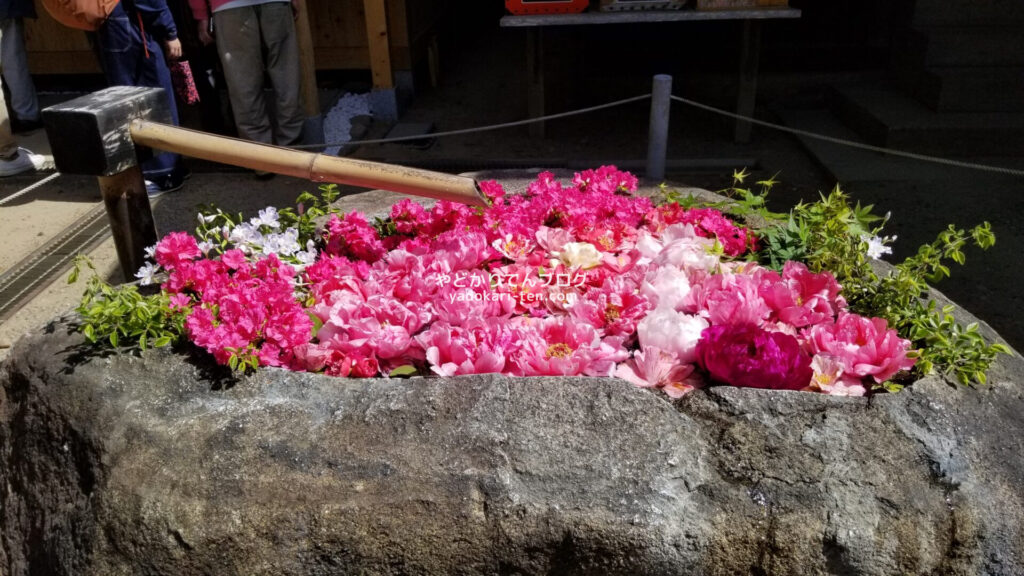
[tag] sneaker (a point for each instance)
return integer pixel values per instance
(22, 161)
(156, 189)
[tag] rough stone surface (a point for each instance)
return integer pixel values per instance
(162, 464)
(159, 465)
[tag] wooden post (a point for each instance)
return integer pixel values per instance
(379, 43)
(749, 61)
(131, 218)
(313, 129)
(89, 135)
(657, 131)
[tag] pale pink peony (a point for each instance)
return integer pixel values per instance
(865, 347)
(652, 367)
(829, 378)
(666, 287)
(673, 332)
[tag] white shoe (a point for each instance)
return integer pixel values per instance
(23, 161)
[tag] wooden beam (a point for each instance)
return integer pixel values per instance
(379, 43)
(307, 62)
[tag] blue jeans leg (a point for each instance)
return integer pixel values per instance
(126, 63)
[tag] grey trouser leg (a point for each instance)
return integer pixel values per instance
(8, 145)
(15, 64)
(243, 36)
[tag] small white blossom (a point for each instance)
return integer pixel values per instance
(206, 246)
(147, 273)
(306, 258)
(267, 217)
(246, 233)
(204, 219)
(151, 252)
(877, 245)
(582, 254)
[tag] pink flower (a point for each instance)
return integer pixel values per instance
(652, 367)
(559, 346)
(333, 273)
(481, 346)
(672, 332)
(728, 298)
(800, 297)
(176, 248)
(666, 287)
(353, 237)
(748, 356)
(865, 347)
(408, 217)
(829, 378)
(615, 309)
(605, 180)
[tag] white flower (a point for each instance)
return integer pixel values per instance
(877, 245)
(147, 273)
(205, 246)
(246, 233)
(688, 254)
(582, 254)
(648, 245)
(673, 332)
(151, 252)
(267, 217)
(666, 287)
(306, 257)
(204, 219)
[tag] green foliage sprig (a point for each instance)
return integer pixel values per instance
(122, 315)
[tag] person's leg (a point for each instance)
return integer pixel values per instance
(8, 145)
(238, 44)
(13, 160)
(165, 168)
(15, 70)
(119, 47)
(277, 25)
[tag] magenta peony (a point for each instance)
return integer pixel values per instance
(747, 356)
(865, 347)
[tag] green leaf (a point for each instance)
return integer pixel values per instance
(407, 370)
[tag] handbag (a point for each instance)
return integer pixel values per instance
(184, 83)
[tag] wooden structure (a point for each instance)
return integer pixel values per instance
(381, 35)
(749, 58)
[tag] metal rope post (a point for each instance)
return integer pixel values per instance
(657, 136)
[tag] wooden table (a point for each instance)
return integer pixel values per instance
(749, 57)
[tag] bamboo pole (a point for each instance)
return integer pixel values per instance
(315, 167)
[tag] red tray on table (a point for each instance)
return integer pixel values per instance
(521, 7)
